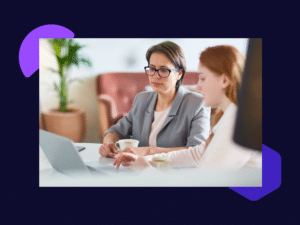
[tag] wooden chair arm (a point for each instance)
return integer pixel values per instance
(104, 117)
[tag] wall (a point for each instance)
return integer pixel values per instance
(112, 55)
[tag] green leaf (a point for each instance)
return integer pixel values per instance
(61, 60)
(57, 44)
(86, 62)
(52, 70)
(74, 79)
(56, 87)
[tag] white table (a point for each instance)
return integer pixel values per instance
(90, 155)
(172, 178)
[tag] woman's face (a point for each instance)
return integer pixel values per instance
(210, 86)
(159, 84)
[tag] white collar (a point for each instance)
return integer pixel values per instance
(227, 116)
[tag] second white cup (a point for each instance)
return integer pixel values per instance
(124, 143)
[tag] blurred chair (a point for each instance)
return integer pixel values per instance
(116, 93)
(248, 127)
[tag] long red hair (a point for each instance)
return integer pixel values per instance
(224, 59)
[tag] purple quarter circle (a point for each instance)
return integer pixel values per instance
(271, 176)
(29, 50)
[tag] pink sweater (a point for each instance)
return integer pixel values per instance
(159, 119)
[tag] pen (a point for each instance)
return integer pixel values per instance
(80, 148)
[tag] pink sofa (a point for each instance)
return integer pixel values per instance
(116, 93)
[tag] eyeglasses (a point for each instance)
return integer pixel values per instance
(150, 71)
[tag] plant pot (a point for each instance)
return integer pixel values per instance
(71, 124)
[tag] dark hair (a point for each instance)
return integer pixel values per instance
(173, 52)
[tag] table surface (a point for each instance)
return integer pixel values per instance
(48, 177)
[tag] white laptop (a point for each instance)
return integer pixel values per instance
(63, 155)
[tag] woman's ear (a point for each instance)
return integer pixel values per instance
(180, 72)
(225, 81)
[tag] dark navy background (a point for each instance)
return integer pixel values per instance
(24, 201)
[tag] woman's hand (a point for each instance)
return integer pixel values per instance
(124, 157)
(137, 150)
(108, 150)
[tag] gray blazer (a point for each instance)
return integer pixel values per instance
(187, 125)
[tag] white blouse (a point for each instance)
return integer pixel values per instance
(222, 151)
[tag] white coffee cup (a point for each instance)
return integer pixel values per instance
(124, 143)
(160, 162)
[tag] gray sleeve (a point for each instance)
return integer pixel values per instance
(123, 128)
(200, 126)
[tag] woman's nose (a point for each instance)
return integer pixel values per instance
(156, 75)
(199, 87)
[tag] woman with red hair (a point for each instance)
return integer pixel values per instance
(220, 70)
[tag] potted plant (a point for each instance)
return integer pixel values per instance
(64, 120)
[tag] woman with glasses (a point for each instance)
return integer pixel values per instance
(166, 119)
(220, 70)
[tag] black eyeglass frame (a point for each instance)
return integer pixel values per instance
(158, 71)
